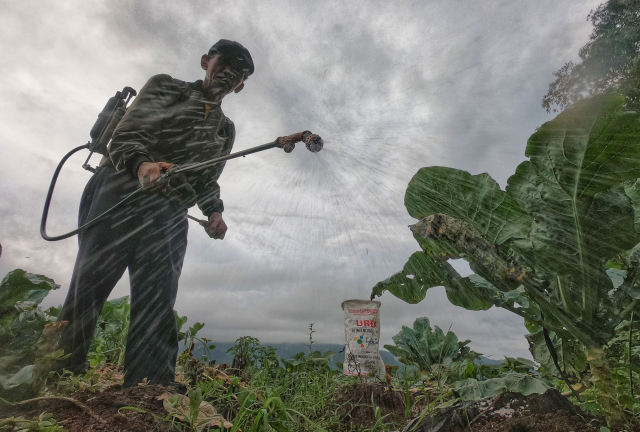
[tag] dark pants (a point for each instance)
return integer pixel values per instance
(148, 236)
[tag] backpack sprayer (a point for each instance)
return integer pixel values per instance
(172, 182)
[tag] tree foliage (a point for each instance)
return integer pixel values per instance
(609, 62)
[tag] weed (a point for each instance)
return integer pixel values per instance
(66, 382)
(245, 352)
(44, 423)
(377, 413)
(311, 341)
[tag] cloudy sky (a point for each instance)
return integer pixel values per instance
(390, 86)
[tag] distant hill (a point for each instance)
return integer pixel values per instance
(488, 361)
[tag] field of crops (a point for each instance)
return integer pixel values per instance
(440, 382)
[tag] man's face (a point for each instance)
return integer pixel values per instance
(221, 77)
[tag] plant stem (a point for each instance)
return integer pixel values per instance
(584, 335)
(629, 308)
(311, 332)
(603, 382)
(407, 394)
(565, 296)
(554, 356)
(630, 371)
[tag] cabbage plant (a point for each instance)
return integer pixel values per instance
(28, 335)
(425, 347)
(540, 248)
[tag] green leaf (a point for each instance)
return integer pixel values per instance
(54, 311)
(462, 369)
(567, 211)
(180, 321)
(423, 272)
(524, 383)
(631, 367)
(472, 389)
(20, 286)
(477, 200)
(573, 187)
(571, 356)
(518, 364)
(628, 401)
(518, 296)
(24, 376)
(631, 285)
(319, 358)
(195, 329)
(617, 276)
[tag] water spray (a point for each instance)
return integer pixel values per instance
(170, 180)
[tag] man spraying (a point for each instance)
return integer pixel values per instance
(169, 122)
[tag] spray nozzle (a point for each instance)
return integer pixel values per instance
(313, 142)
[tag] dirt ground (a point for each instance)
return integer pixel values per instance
(106, 406)
(356, 411)
(513, 412)
(508, 412)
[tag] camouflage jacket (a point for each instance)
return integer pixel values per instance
(166, 123)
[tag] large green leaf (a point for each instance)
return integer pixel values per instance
(568, 210)
(472, 389)
(21, 319)
(571, 356)
(20, 286)
(475, 199)
(573, 187)
(423, 272)
(24, 377)
(629, 289)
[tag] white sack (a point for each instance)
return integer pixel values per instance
(362, 337)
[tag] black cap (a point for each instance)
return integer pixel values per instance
(225, 46)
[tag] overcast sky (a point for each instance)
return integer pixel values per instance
(390, 86)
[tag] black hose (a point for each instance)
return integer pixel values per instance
(47, 202)
(177, 170)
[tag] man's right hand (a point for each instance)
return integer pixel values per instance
(148, 172)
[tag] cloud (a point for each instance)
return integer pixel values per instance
(391, 87)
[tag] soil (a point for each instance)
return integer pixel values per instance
(105, 405)
(356, 411)
(513, 412)
(508, 412)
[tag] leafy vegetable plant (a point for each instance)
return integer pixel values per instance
(110, 337)
(424, 347)
(28, 336)
(540, 248)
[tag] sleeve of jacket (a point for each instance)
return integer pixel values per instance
(139, 128)
(205, 182)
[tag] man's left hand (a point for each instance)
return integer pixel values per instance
(216, 228)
